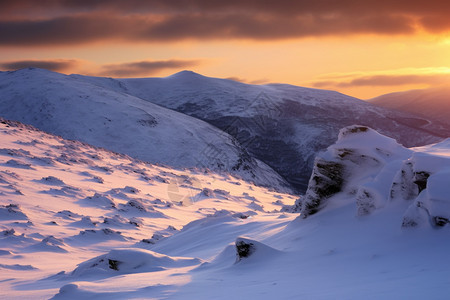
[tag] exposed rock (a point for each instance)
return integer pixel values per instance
(244, 249)
(360, 164)
(420, 179)
(326, 180)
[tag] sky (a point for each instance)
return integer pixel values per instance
(362, 48)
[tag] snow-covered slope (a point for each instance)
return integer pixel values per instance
(79, 222)
(64, 203)
(282, 125)
(432, 103)
(78, 110)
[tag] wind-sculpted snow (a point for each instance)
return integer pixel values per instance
(282, 125)
(126, 261)
(376, 172)
(79, 110)
(62, 228)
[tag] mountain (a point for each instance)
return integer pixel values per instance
(282, 125)
(78, 110)
(80, 222)
(431, 103)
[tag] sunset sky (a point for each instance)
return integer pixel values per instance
(363, 48)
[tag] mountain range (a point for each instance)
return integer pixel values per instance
(282, 125)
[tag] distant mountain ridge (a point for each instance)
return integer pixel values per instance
(79, 110)
(282, 125)
(432, 103)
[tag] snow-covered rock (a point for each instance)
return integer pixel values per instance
(374, 171)
(126, 261)
(359, 163)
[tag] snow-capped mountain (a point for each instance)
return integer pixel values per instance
(431, 103)
(79, 110)
(282, 125)
(79, 222)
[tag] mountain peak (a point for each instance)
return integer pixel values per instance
(185, 74)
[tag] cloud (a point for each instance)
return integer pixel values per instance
(285, 7)
(57, 65)
(379, 80)
(144, 68)
(72, 30)
(69, 22)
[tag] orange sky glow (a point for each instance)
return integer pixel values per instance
(360, 48)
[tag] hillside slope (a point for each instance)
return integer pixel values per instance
(78, 110)
(432, 103)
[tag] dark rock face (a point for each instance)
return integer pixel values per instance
(326, 180)
(244, 249)
(441, 221)
(420, 179)
(113, 264)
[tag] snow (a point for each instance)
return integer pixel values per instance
(79, 110)
(282, 125)
(82, 222)
(54, 218)
(230, 240)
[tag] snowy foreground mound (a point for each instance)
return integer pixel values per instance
(78, 222)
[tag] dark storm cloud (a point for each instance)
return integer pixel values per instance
(144, 68)
(86, 28)
(58, 65)
(285, 7)
(27, 22)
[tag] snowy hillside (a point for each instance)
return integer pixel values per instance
(78, 110)
(79, 222)
(432, 103)
(282, 125)
(63, 202)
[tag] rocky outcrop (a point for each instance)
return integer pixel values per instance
(358, 166)
(326, 180)
(351, 166)
(249, 250)
(375, 171)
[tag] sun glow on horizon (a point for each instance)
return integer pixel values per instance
(363, 50)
